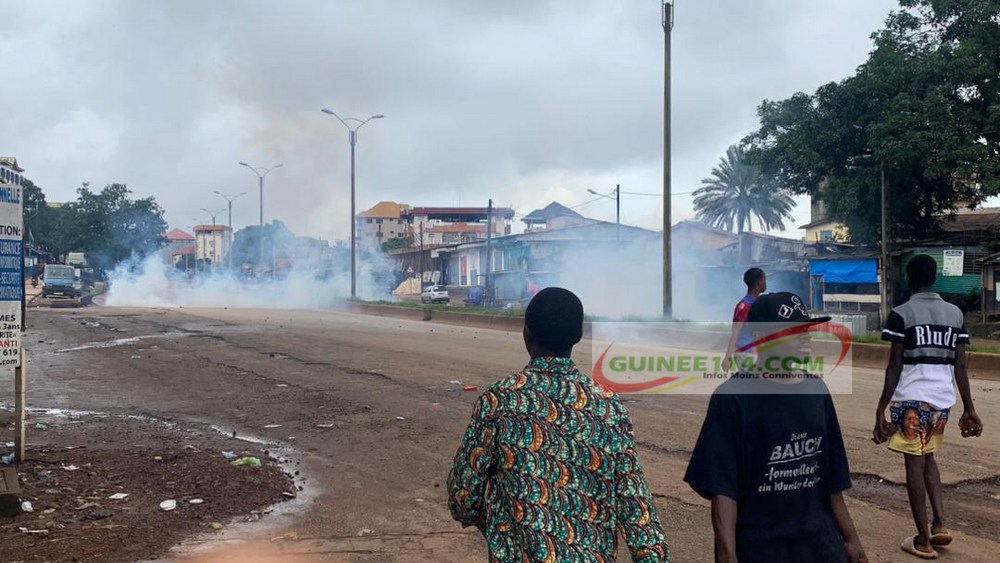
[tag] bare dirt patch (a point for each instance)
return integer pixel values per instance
(972, 507)
(74, 465)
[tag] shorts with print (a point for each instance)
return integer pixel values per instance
(919, 427)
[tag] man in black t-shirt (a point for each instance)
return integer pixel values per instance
(771, 457)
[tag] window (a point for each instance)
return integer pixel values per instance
(825, 236)
(379, 221)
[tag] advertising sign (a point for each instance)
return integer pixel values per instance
(953, 263)
(11, 274)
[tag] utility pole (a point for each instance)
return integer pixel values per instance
(260, 185)
(229, 201)
(886, 276)
(668, 25)
(618, 212)
(421, 263)
(489, 253)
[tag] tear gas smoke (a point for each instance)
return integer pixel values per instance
(151, 282)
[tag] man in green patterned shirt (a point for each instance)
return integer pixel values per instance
(547, 469)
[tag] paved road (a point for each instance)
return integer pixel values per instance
(384, 478)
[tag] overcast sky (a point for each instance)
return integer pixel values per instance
(522, 101)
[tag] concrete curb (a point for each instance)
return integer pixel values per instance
(863, 355)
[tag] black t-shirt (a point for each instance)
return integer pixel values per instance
(775, 448)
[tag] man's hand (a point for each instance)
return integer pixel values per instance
(855, 553)
(883, 430)
(970, 424)
(726, 362)
(726, 557)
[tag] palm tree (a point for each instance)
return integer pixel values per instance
(737, 192)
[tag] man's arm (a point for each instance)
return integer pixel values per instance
(724, 526)
(634, 506)
(969, 423)
(739, 317)
(852, 542)
(727, 360)
(473, 465)
(883, 430)
(894, 332)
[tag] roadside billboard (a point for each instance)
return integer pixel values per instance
(11, 274)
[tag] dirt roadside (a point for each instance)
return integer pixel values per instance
(79, 466)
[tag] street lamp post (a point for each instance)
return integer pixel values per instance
(667, 20)
(229, 201)
(260, 183)
(618, 208)
(353, 138)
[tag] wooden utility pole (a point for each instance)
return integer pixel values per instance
(885, 304)
(20, 402)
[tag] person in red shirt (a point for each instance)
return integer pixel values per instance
(756, 282)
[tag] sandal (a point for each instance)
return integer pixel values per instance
(909, 546)
(941, 538)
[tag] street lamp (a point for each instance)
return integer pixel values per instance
(353, 138)
(229, 200)
(618, 208)
(667, 20)
(260, 183)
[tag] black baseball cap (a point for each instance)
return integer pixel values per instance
(781, 307)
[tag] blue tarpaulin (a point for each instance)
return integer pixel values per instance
(864, 270)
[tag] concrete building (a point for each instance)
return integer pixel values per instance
(10, 172)
(455, 225)
(381, 223)
(212, 243)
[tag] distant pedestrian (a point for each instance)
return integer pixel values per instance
(926, 360)
(737, 350)
(547, 469)
(771, 458)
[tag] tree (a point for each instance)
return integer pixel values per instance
(737, 192)
(247, 244)
(40, 219)
(109, 226)
(924, 109)
(395, 244)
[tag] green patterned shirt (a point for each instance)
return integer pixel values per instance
(548, 471)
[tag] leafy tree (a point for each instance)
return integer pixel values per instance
(109, 226)
(924, 110)
(737, 192)
(248, 242)
(40, 219)
(395, 244)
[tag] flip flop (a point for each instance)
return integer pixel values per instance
(910, 547)
(941, 538)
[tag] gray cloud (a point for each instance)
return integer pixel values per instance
(519, 101)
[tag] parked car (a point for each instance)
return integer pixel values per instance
(61, 278)
(435, 294)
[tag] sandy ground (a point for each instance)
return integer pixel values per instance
(336, 383)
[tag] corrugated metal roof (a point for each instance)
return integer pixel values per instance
(177, 235)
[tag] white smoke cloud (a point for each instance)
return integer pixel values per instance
(151, 282)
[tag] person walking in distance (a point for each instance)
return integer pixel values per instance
(926, 360)
(737, 351)
(547, 470)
